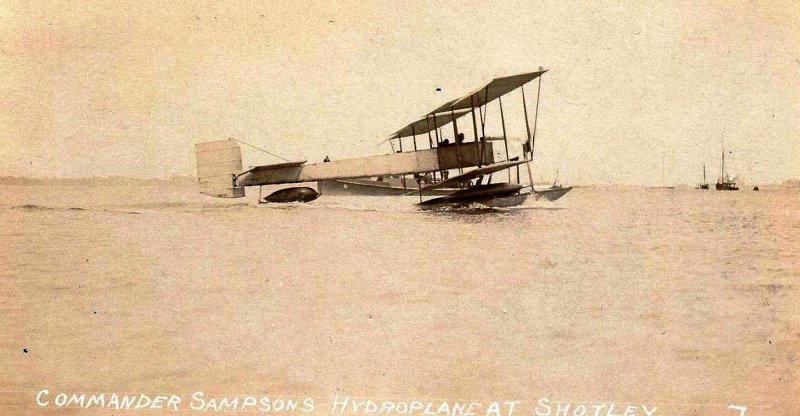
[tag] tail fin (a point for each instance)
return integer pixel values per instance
(217, 164)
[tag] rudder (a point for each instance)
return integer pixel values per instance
(217, 164)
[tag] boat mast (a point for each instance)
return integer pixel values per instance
(722, 180)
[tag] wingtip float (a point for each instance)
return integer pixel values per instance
(220, 173)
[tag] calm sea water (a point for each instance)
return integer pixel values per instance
(683, 299)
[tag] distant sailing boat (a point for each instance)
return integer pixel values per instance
(724, 183)
(552, 193)
(703, 185)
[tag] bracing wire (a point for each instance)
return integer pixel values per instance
(258, 148)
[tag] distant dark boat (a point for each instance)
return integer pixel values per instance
(755, 188)
(553, 193)
(725, 183)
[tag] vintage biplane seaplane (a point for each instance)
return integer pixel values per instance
(220, 173)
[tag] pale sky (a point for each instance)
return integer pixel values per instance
(635, 91)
